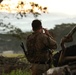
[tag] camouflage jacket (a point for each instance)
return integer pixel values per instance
(40, 43)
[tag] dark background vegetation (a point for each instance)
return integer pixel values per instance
(12, 40)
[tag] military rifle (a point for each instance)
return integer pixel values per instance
(70, 34)
(23, 47)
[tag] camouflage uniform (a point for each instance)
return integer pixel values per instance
(40, 43)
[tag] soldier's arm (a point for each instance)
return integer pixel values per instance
(52, 43)
(49, 42)
(69, 36)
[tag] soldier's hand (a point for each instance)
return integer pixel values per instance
(67, 39)
(47, 32)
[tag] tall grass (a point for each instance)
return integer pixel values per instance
(18, 72)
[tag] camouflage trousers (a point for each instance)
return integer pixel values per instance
(39, 69)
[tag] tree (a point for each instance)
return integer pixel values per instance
(32, 10)
(1, 1)
(61, 30)
(11, 29)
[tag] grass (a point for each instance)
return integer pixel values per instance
(19, 72)
(12, 55)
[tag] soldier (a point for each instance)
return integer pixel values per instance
(39, 45)
(67, 38)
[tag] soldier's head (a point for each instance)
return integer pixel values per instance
(36, 25)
